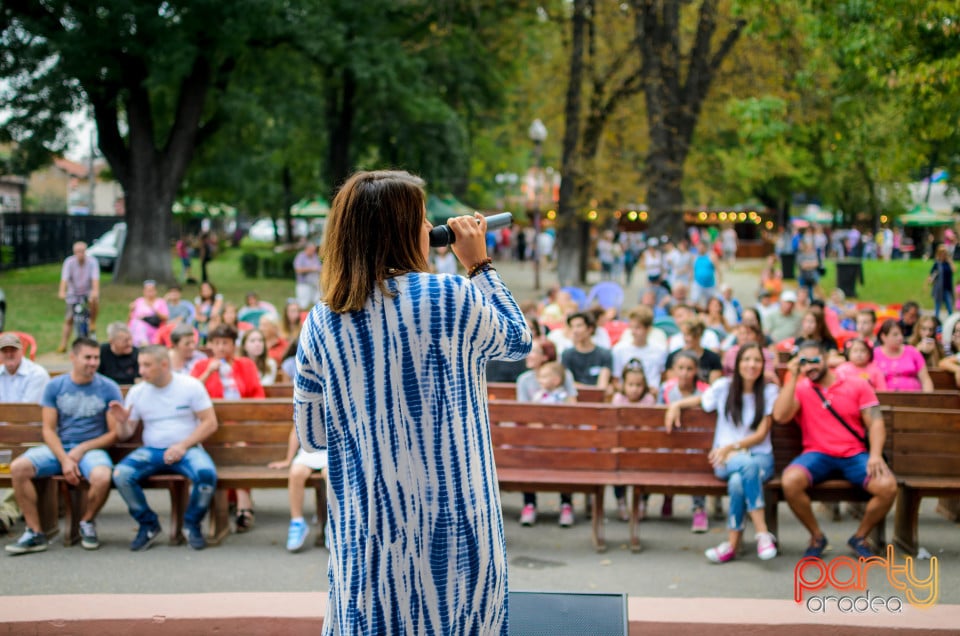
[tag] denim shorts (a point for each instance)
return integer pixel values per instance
(820, 467)
(47, 464)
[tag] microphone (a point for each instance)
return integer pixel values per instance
(441, 236)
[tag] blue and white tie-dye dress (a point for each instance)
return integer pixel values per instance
(396, 392)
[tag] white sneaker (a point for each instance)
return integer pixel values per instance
(766, 546)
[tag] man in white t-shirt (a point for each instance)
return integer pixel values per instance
(177, 416)
(638, 346)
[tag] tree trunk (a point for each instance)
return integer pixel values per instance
(569, 248)
(674, 97)
(665, 196)
(287, 203)
(340, 111)
(146, 252)
(151, 172)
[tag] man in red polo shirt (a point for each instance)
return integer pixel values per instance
(829, 448)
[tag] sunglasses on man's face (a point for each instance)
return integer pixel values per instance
(816, 360)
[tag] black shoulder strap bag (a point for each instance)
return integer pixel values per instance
(826, 404)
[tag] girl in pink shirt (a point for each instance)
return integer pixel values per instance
(860, 364)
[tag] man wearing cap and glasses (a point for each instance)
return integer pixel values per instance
(21, 380)
(843, 432)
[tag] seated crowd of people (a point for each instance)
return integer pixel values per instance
(689, 342)
(177, 356)
(716, 352)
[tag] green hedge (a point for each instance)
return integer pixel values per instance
(250, 264)
(279, 266)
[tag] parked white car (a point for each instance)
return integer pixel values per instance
(107, 248)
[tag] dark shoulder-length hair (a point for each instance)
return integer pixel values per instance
(372, 233)
(734, 406)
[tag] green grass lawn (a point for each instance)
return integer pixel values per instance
(33, 305)
(887, 282)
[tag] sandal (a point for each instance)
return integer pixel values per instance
(244, 521)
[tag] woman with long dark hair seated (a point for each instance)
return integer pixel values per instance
(742, 453)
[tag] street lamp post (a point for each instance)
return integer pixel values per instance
(538, 134)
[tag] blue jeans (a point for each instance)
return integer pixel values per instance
(745, 473)
(946, 300)
(196, 466)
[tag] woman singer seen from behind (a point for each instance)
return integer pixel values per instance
(390, 380)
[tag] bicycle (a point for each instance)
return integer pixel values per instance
(81, 318)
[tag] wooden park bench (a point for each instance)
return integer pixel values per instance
(568, 448)
(926, 459)
(20, 430)
(251, 434)
(23, 431)
(279, 390)
(933, 400)
(508, 391)
(655, 461)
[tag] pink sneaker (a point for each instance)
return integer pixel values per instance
(766, 546)
(566, 516)
(528, 516)
(701, 523)
(622, 513)
(720, 554)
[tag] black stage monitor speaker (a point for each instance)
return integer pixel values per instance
(568, 614)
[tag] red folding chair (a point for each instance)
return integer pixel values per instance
(29, 343)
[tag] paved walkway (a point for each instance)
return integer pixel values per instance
(544, 557)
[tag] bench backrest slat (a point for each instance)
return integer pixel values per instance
(934, 400)
(508, 391)
(279, 390)
(926, 442)
(534, 458)
(554, 438)
(594, 415)
(20, 413)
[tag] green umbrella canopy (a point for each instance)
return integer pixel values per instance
(458, 206)
(923, 216)
(317, 206)
(438, 212)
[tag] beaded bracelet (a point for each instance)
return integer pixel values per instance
(482, 266)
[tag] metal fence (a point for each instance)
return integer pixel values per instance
(39, 238)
